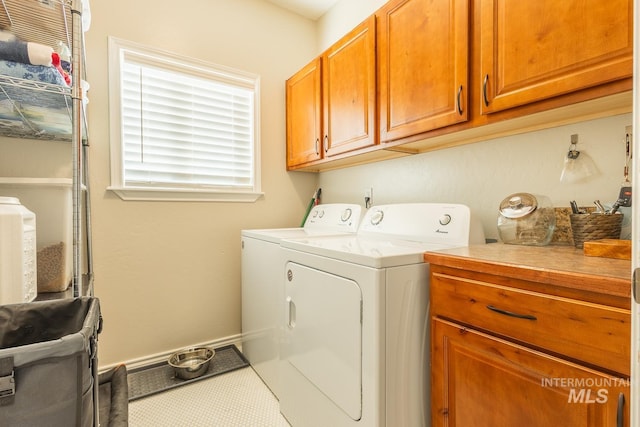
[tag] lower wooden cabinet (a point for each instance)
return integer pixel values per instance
(483, 381)
(509, 352)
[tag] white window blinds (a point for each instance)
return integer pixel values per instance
(186, 126)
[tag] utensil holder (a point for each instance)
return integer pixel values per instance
(594, 226)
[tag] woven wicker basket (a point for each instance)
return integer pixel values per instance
(586, 227)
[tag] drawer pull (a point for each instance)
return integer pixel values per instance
(512, 314)
(620, 415)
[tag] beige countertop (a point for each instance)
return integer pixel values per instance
(555, 265)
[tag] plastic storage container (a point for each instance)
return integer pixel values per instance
(17, 252)
(50, 200)
(48, 364)
(526, 219)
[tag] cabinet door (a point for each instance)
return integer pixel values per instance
(482, 381)
(534, 50)
(304, 115)
(423, 52)
(349, 88)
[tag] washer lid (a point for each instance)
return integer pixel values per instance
(275, 235)
(324, 220)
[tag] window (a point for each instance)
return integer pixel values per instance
(181, 129)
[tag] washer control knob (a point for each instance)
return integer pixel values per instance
(321, 214)
(445, 219)
(346, 214)
(377, 217)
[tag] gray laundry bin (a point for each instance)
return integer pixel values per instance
(48, 364)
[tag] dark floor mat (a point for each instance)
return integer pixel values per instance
(159, 377)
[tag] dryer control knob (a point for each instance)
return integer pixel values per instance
(377, 217)
(445, 219)
(346, 214)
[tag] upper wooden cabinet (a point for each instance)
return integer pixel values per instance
(419, 75)
(304, 115)
(423, 59)
(535, 50)
(349, 90)
(331, 103)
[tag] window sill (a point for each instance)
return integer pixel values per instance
(183, 195)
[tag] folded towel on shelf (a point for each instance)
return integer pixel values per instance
(26, 52)
(39, 73)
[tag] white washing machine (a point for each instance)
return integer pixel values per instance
(263, 288)
(355, 348)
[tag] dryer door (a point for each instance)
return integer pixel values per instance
(324, 334)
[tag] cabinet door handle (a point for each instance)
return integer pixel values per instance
(512, 314)
(317, 146)
(326, 143)
(459, 100)
(484, 90)
(620, 415)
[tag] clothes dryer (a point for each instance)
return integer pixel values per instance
(263, 288)
(355, 348)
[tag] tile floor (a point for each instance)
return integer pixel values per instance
(234, 399)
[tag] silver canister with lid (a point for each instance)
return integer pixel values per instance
(526, 219)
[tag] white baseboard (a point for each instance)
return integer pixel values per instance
(163, 357)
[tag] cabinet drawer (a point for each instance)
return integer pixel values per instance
(592, 333)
